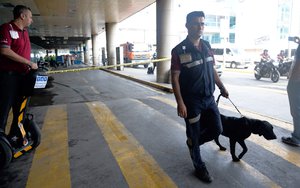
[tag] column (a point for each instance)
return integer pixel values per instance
(95, 51)
(86, 53)
(166, 40)
(111, 42)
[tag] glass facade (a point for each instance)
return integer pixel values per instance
(283, 19)
(213, 28)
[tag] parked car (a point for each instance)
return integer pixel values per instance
(233, 57)
(218, 67)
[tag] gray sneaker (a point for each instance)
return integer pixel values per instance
(290, 141)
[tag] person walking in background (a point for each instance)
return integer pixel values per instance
(14, 62)
(293, 90)
(193, 82)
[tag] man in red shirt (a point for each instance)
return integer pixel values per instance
(14, 62)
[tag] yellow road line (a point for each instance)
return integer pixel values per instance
(248, 71)
(50, 165)
(271, 146)
(136, 164)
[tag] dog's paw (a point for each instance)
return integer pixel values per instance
(222, 148)
(235, 159)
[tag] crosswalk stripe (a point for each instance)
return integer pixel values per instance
(277, 149)
(50, 165)
(137, 165)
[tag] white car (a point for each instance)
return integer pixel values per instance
(233, 57)
(218, 67)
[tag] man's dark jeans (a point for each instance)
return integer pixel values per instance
(10, 83)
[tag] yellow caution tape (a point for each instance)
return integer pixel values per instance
(108, 66)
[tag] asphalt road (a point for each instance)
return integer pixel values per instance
(261, 96)
(100, 130)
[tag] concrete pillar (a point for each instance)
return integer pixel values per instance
(165, 39)
(86, 53)
(95, 52)
(111, 42)
(81, 53)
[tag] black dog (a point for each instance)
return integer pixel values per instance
(239, 129)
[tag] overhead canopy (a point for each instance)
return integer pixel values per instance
(67, 23)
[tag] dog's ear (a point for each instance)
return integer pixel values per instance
(268, 132)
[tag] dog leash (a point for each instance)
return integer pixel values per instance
(231, 103)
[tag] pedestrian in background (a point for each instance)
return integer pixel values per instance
(265, 57)
(281, 56)
(293, 90)
(15, 62)
(193, 81)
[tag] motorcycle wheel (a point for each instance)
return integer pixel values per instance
(257, 76)
(5, 153)
(256, 70)
(275, 75)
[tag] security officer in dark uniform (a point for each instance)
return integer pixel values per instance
(193, 82)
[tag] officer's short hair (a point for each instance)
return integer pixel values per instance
(194, 14)
(19, 9)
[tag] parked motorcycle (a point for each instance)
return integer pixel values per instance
(266, 69)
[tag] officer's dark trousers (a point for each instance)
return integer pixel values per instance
(9, 89)
(202, 125)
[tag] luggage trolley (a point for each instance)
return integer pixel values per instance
(29, 137)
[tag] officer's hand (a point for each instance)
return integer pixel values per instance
(181, 110)
(33, 66)
(224, 92)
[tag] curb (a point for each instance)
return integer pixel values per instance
(151, 84)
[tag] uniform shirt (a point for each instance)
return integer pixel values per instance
(11, 36)
(196, 69)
